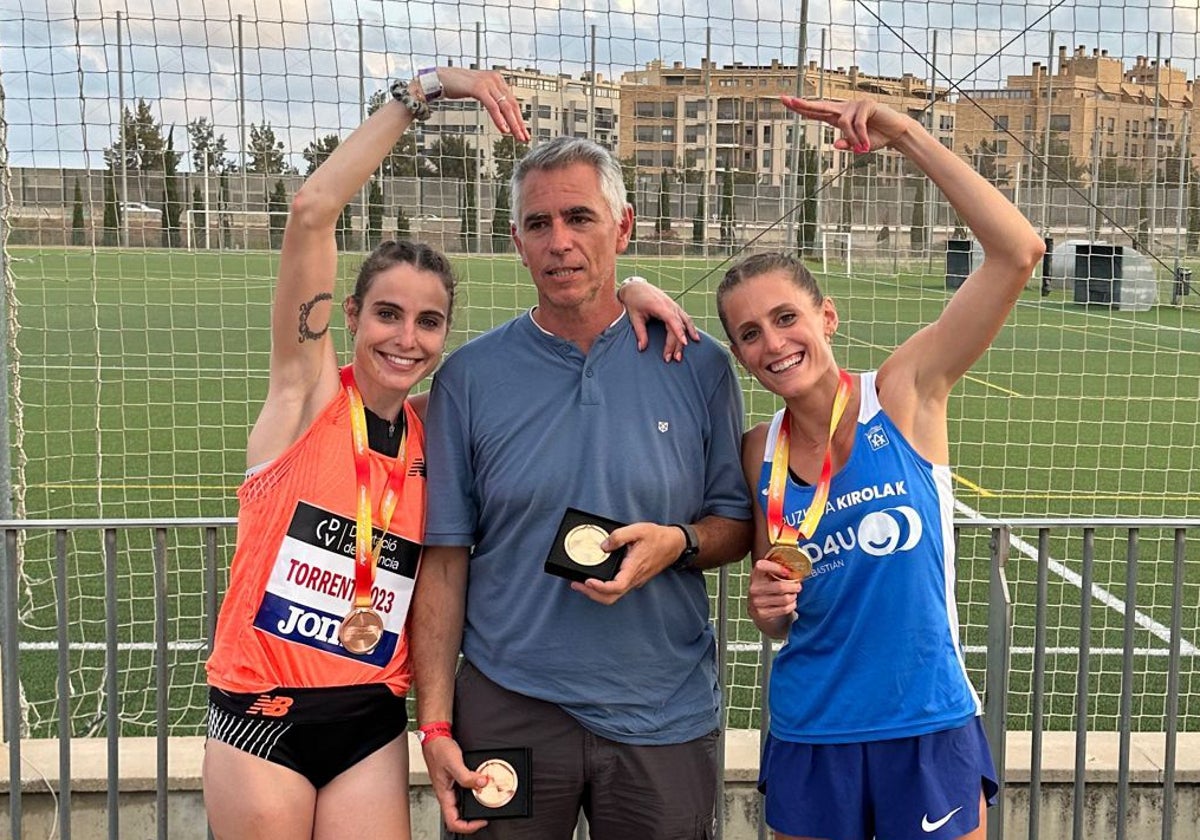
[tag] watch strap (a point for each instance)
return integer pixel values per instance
(431, 84)
(691, 547)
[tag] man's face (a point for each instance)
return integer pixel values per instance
(567, 235)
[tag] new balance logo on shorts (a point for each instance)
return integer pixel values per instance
(269, 706)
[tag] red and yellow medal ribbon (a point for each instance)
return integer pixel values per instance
(366, 557)
(779, 531)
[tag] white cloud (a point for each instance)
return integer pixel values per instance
(302, 56)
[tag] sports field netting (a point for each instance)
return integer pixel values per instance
(139, 302)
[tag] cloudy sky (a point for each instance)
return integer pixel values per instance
(60, 61)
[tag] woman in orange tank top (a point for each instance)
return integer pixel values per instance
(306, 733)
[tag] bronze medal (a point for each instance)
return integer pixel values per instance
(361, 631)
(791, 558)
(583, 542)
(501, 786)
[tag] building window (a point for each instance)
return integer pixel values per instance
(727, 83)
(1000, 123)
(1028, 124)
(668, 134)
(645, 158)
(692, 109)
(766, 158)
(645, 109)
(693, 134)
(668, 109)
(766, 134)
(644, 133)
(946, 122)
(545, 112)
(1001, 147)
(1060, 122)
(674, 81)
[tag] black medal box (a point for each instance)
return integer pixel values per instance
(509, 793)
(576, 553)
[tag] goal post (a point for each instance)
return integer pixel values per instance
(835, 246)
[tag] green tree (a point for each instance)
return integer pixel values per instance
(917, 225)
(172, 230)
(470, 214)
(662, 225)
(224, 223)
(112, 212)
(501, 220)
(629, 176)
(401, 161)
(264, 152)
(1061, 167)
(277, 202)
(374, 231)
(199, 220)
(78, 234)
(699, 223)
(505, 153)
(1113, 171)
(985, 159)
(807, 182)
(318, 151)
(345, 227)
(209, 149)
(1193, 219)
(453, 157)
(727, 208)
(139, 141)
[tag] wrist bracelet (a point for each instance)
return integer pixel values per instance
(433, 731)
(419, 108)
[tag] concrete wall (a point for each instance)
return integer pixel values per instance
(1143, 820)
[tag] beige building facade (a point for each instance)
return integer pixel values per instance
(1121, 123)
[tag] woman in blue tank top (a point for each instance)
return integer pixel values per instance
(875, 727)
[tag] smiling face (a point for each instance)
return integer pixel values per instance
(568, 238)
(779, 333)
(399, 332)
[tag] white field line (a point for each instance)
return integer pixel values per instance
(1159, 631)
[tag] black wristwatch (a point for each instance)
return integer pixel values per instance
(691, 548)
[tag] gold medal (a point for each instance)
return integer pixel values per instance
(582, 544)
(501, 786)
(791, 558)
(361, 630)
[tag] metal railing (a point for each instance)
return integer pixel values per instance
(999, 631)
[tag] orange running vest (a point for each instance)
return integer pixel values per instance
(292, 579)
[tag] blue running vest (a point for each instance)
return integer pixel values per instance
(874, 650)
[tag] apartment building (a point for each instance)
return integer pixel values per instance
(552, 105)
(1124, 120)
(718, 118)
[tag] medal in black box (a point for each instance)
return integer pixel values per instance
(509, 792)
(576, 553)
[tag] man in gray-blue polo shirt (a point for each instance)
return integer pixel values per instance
(613, 685)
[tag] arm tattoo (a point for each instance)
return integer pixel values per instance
(307, 333)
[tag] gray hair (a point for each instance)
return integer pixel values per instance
(562, 152)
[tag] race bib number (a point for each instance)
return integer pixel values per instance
(311, 587)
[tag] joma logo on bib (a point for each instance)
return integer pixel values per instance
(310, 625)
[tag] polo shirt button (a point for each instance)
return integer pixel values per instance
(588, 373)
